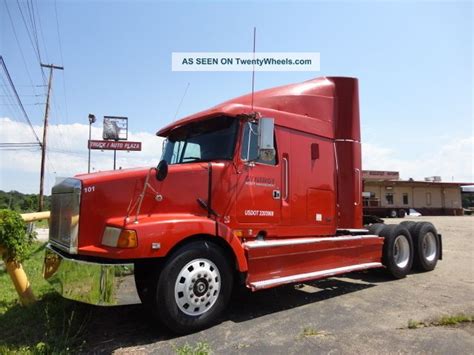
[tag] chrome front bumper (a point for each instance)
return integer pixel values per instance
(88, 282)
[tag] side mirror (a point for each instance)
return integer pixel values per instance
(162, 170)
(266, 132)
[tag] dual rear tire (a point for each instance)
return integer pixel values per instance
(427, 244)
(398, 250)
(408, 244)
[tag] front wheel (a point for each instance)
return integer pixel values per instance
(193, 288)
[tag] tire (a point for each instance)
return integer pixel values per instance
(398, 251)
(393, 214)
(197, 269)
(146, 274)
(410, 225)
(401, 213)
(143, 290)
(376, 228)
(426, 245)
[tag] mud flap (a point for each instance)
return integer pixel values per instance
(440, 242)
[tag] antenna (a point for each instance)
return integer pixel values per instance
(182, 98)
(253, 62)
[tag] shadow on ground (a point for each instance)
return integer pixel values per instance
(63, 324)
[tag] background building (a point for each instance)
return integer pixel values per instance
(385, 195)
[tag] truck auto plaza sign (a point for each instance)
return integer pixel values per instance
(115, 145)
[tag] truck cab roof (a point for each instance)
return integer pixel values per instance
(309, 106)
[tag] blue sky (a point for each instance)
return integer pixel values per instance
(413, 59)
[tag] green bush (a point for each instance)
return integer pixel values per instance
(14, 236)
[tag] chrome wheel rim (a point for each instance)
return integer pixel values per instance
(428, 246)
(401, 251)
(197, 287)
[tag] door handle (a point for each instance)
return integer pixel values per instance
(285, 179)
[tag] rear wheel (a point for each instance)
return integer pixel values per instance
(410, 225)
(427, 249)
(193, 288)
(393, 214)
(376, 228)
(397, 250)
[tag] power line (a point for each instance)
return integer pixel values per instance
(37, 52)
(19, 46)
(18, 99)
(26, 95)
(32, 149)
(31, 146)
(62, 59)
(36, 48)
(19, 145)
(35, 10)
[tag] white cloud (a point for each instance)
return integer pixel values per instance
(67, 154)
(453, 160)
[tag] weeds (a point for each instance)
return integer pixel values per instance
(52, 325)
(443, 321)
(311, 332)
(200, 348)
(454, 320)
(414, 324)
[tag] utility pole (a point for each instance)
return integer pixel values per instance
(45, 130)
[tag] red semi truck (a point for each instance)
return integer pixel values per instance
(262, 189)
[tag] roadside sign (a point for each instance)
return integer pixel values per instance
(115, 128)
(115, 145)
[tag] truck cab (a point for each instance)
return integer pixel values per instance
(266, 190)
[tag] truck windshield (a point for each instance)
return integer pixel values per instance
(212, 139)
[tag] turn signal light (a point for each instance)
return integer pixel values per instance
(238, 233)
(127, 239)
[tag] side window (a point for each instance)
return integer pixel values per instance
(249, 149)
(177, 151)
(192, 152)
(405, 199)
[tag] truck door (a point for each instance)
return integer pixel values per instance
(308, 205)
(258, 185)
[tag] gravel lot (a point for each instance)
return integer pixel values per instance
(359, 313)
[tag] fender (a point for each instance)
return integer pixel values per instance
(168, 230)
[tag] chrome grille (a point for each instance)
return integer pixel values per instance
(65, 206)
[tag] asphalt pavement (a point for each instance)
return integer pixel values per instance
(363, 312)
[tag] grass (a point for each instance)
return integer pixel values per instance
(200, 348)
(43, 223)
(307, 332)
(52, 325)
(455, 320)
(443, 321)
(311, 332)
(414, 324)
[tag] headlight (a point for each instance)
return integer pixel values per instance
(119, 238)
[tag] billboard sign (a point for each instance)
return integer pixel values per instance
(115, 145)
(115, 128)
